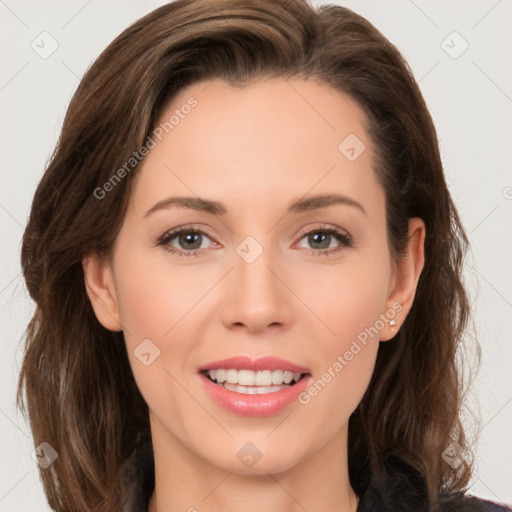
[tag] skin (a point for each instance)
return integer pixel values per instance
(256, 150)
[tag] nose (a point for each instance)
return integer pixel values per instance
(255, 296)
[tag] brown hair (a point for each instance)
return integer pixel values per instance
(76, 382)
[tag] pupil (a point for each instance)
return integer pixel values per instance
(189, 237)
(314, 239)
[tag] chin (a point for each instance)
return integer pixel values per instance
(252, 458)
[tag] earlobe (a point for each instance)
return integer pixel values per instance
(99, 284)
(405, 280)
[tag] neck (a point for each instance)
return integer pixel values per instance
(185, 481)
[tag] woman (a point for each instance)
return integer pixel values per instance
(247, 270)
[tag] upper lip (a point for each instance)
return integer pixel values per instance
(247, 363)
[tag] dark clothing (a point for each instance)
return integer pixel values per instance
(403, 492)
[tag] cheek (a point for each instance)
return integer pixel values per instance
(153, 296)
(158, 301)
(347, 358)
(153, 300)
(348, 298)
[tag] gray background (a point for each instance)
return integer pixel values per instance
(469, 97)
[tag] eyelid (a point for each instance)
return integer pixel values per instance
(324, 227)
(184, 228)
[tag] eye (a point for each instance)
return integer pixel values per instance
(322, 239)
(189, 241)
(192, 241)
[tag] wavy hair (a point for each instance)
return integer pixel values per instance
(76, 385)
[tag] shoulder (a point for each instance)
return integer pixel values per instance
(403, 490)
(398, 501)
(466, 503)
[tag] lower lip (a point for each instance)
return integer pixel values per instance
(266, 404)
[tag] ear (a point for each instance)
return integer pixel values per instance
(405, 278)
(99, 283)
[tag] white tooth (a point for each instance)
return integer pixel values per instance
(252, 390)
(263, 378)
(229, 387)
(232, 376)
(268, 389)
(246, 377)
(288, 376)
(277, 377)
(221, 375)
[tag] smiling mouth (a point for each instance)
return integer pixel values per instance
(250, 382)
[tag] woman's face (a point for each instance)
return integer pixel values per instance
(270, 270)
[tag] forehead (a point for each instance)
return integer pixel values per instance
(251, 145)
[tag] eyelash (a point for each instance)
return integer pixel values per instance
(344, 239)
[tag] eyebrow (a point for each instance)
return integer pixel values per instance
(216, 208)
